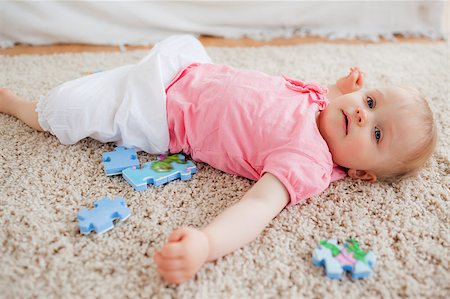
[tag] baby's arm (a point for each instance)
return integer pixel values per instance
(187, 249)
(351, 83)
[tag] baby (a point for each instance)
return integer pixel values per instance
(292, 137)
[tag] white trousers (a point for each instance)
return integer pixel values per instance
(125, 105)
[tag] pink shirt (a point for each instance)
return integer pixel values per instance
(248, 123)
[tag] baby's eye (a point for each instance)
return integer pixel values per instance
(370, 102)
(377, 134)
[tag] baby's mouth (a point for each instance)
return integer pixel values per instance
(346, 122)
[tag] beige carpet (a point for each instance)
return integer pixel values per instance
(43, 184)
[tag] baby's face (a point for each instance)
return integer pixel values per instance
(366, 130)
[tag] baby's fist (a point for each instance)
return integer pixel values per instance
(183, 255)
(352, 82)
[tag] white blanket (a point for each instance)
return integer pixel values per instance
(124, 22)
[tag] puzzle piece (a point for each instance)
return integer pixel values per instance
(119, 159)
(102, 216)
(159, 172)
(349, 257)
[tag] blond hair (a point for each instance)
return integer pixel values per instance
(415, 158)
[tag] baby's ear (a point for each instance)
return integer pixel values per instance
(362, 175)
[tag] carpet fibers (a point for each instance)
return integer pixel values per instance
(43, 184)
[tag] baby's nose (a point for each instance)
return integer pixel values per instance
(361, 117)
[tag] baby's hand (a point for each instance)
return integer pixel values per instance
(353, 82)
(183, 255)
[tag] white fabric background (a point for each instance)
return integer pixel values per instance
(121, 22)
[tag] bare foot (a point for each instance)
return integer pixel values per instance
(25, 110)
(6, 98)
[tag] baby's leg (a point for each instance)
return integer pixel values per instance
(21, 108)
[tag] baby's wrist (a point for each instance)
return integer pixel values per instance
(210, 256)
(333, 91)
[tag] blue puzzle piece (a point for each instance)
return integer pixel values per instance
(364, 270)
(350, 258)
(102, 216)
(159, 172)
(323, 256)
(119, 159)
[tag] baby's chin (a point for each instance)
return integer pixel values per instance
(342, 160)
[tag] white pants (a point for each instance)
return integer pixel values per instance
(126, 105)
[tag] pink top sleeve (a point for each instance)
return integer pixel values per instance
(302, 179)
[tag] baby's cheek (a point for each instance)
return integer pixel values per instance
(364, 155)
(356, 148)
(362, 146)
(352, 152)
